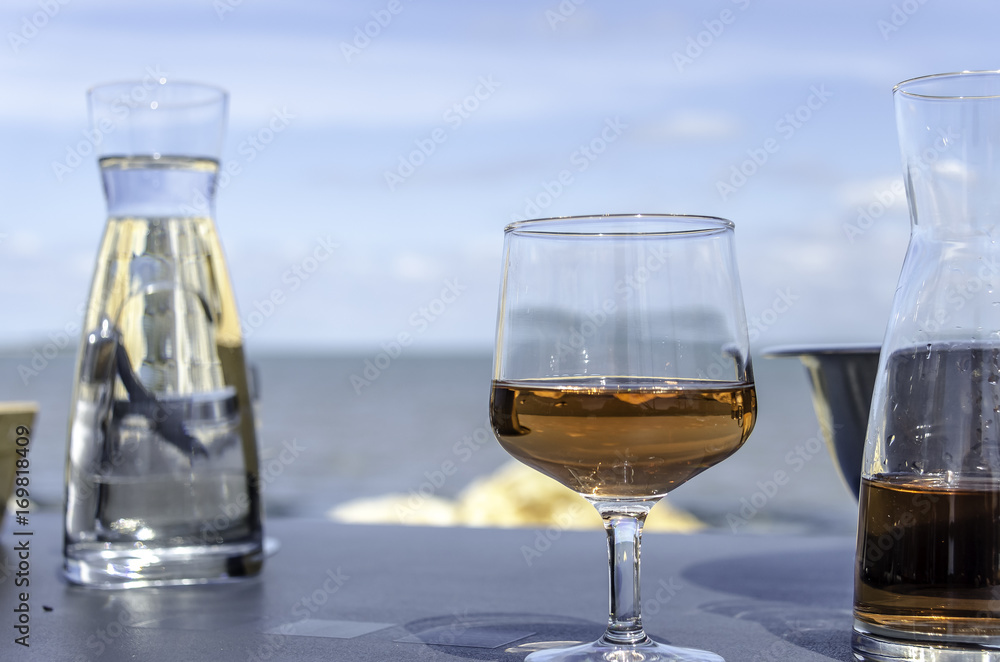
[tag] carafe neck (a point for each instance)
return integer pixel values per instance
(951, 164)
(159, 186)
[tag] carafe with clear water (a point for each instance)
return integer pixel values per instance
(162, 474)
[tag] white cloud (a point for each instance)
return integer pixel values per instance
(887, 191)
(692, 124)
(416, 267)
(23, 243)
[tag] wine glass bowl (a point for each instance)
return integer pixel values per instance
(622, 370)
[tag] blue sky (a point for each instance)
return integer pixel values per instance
(500, 110)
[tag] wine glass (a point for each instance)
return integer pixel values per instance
(622, 370)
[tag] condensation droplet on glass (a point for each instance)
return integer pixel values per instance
(928, 350)
(891, 439)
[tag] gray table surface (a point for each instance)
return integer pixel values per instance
(345, 592)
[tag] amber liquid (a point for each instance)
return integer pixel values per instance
(621, 438)
(929, 557)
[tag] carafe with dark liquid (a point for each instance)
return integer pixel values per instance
(161, 473)
(929, 547)
(927, 582)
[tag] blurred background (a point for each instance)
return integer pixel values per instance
(381, 147)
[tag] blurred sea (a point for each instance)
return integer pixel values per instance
(323, 443)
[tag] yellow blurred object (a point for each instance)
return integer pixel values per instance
(16, 420)
(513, 496)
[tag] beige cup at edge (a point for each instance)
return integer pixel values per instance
(13, 416)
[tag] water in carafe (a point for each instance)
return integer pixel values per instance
(162, 461)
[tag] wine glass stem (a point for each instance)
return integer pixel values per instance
(625, 620)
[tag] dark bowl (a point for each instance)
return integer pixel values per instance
(843, 378)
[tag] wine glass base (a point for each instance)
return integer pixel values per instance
(603, 651)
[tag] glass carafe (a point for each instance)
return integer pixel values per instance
(161, 474)
(928, 560)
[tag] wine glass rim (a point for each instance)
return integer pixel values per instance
(902, 87)
(683, 224)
